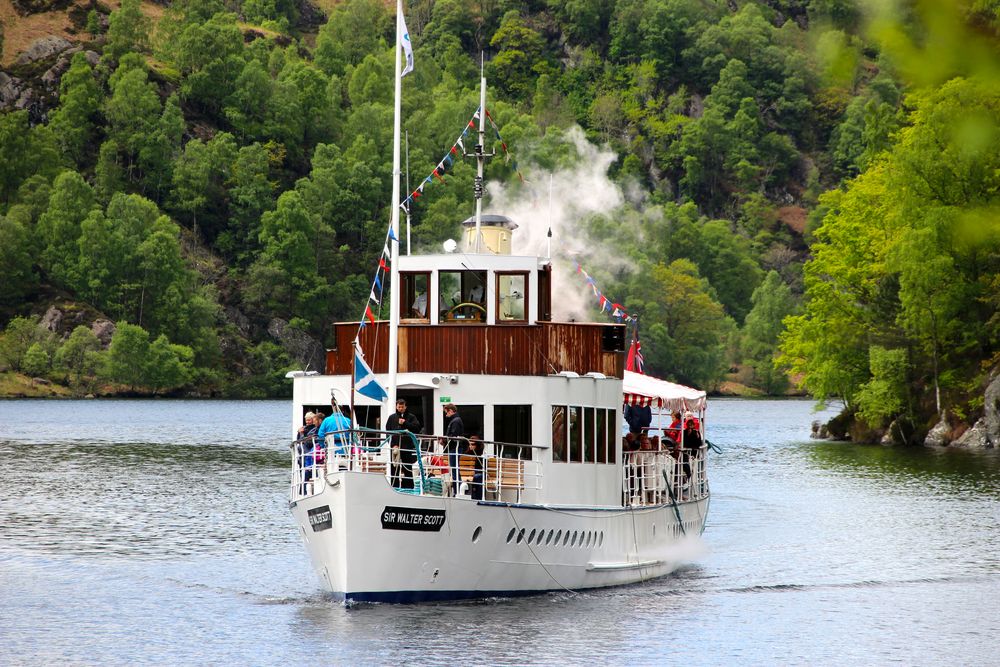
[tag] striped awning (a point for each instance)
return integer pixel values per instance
(639, 389)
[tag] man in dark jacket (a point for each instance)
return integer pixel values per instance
(455, 432)
(638, 417)
(404, 453)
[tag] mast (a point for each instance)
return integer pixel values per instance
(394, 242)
(408, 203)
(480, 149)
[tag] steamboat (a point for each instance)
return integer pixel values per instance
(538, 490)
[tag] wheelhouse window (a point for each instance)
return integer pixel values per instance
(601, 433)
(558, 433)
(462, 296)
(512, 425)
(512, 297)
(415, 289)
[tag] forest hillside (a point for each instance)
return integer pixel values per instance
(793, 194)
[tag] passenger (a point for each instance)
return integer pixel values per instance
(692, 443)
(338, 425)
(404, 454)
(419, 308)
(638, 417)
(475, 448)
(455, 432)
(674, 430)
(305, 448)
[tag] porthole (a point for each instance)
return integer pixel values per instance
(510, 535)
(548, 538)
(601, 543)
(558, 537)
(531, 536)
(590, 537)
(566, 538)
(520, 536)
(477, 533)
(541, 534)
(572, 541)
(654, 530)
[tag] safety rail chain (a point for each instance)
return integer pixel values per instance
(657, 477)
(501, 472)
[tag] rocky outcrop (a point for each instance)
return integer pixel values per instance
(303, 348)
(819, 431)
(940, 435)
(52, 318)
(104, 330)
(42, 48)
(985, 433)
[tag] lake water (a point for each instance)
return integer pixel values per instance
(157, 532)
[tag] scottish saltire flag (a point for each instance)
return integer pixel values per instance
(365, 382)
(407, 48)
(634, 362)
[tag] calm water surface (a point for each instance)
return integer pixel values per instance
(142, 532)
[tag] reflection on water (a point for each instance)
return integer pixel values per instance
(158, 532)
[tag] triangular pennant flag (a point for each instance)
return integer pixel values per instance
(373, 296)
(454, 149)
(439, 177)
(378, 285)
(392, 235)
(460, 144)
(369, 315)
(365, 382)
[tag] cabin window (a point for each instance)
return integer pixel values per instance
(575, 434)
(462, 296)
(558, 432)
(612, 437)
(512, 297)
(588, 435)
(415, 290)
(472, 419)
(602, 435)
(544, 298)
(512, 425)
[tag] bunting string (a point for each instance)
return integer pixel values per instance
(442, 166)
(378, 283)
(458, 150)
(507, 157)
(616, 310)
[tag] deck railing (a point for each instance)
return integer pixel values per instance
(419, 465)
(651, 477)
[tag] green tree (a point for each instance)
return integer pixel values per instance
(76, 354)
(128, 30)
(772, 303)
(520, 56)
(685, 328)
(168, 366)
(128, 354)
(59, 227)
(79, 101)
(36, 361)
(22, 333)
(16, 259)
(132, 111)
(26, 151)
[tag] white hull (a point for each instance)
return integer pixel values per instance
(463, 548)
